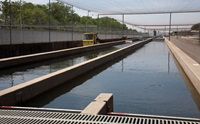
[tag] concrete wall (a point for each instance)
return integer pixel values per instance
(23, 92)
(19, 60)
(190, 66)
(24, 49)
(42, 36)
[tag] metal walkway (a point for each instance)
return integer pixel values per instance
(8, 116)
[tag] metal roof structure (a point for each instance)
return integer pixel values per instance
(113, 7)
(144, 12)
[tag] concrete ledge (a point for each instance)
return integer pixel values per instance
(190, 66)
(23, 92)
(19, 60)
(102, 104)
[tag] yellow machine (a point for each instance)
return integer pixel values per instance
(89, 38)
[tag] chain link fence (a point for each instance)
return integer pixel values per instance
(22, 22)
(41, 34)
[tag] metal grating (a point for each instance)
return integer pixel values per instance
(46, 117)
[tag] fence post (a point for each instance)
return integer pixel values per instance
(10, 22)
(170, 23)
(199, 33)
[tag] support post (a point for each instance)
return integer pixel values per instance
(49, 20)
(10, 21)
(21, 21)
(170, 23)
(72, 26)
(87, 21)
(123, 25)
(177, 32)
(133, 31)
(98, 24)
(111, 29)
(199, 33)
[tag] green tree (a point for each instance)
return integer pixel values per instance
(195, 27)
(87, 20)
(40, 17)
(74, 18)
(15, 12)
(27, 17)
(12, 10)
(60, 14)
(34, 14)
(111, 23)
(5, 11)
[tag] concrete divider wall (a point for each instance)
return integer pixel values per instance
(14, 61)
(11, 50)
(31, 48)
(23, 92)
(102, 104)
(190, 66)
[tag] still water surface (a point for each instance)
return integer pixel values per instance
(145, 82)
(15, 76)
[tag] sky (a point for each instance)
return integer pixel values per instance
(142, 19)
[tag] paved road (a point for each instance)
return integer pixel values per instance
(189, 46)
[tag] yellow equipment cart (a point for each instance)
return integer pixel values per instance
(90, 38)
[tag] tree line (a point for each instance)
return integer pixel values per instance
(56, 13)
(196, 27)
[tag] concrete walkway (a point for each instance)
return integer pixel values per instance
(189, 46)
(189, 65)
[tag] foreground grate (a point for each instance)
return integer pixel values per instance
(46, 117)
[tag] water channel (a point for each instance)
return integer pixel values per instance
(14, 76)
(144, 82)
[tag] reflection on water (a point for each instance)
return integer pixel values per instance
(43, 100)
(15, 76)
(145, 82)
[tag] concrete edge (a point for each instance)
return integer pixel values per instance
(19, 60)
(102, 104)
(190, 66)
(25, 91)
